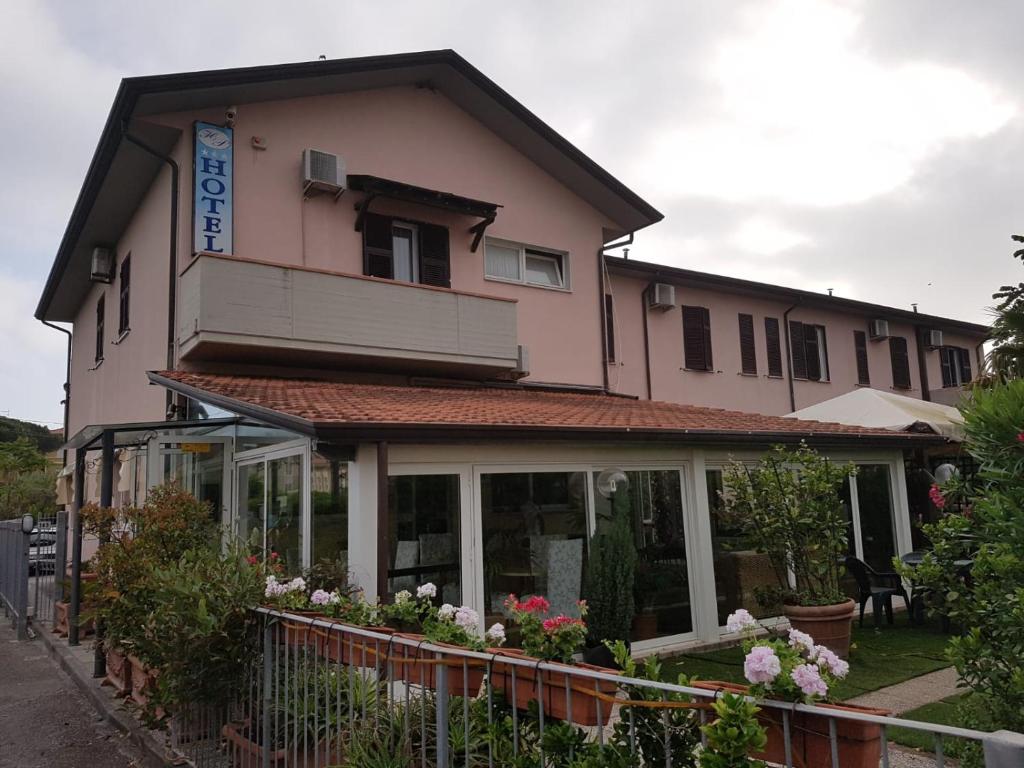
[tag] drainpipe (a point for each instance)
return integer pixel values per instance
(789, 357)
(922, 363)
(647, 345)
(67, 386)
(600, 303)
(172, 277)
(980, 358)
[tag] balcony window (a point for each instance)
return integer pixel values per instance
(516, 263)
(411, 253)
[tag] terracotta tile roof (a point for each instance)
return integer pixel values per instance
(319, 405)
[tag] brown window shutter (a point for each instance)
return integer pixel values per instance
(860, 346)
(696, 339)
(378, 247)
(773, 342)
(965, 366)
(900, 362)
(946, 363)
(748, 353)
(609, 328)
(799, 349)
(435, 263)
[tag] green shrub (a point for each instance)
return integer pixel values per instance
(611, 569)
(733, 734)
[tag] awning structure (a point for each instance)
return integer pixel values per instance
(873, 409)
(340, 411)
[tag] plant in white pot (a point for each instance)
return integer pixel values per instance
(789, 507)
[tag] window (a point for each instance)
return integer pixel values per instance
(860, 349)
(399, 250)
(773, 342)
(329, 497)
(748, 354)
(956, 366)
(609, 328)
(424, 513)
(697, 339)
(125, 281)
(900, 362)
(521, 264)
(100, 313)
(810, 351)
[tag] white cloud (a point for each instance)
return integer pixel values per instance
(804, 116)
(766, 237)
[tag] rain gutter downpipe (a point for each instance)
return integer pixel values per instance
(601, 267)
(172, 277)
(789, 357)
(67, 386)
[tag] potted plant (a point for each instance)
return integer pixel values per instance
(350, 609)
(553, 639)
(291, 597)
(798, 669)
(789, 507)
(608, 586)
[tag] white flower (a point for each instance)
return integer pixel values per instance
(467, 618)
(496, 634)
(403, 597)
(801, 640)
(322, 597)
(740, 621)
(446, 611)
(427, 590)
(274, 588)
(298, 584)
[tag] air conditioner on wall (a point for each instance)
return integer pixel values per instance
(878, 329)
(661, 296)
(933, 339)
(101, 269)
(323, 172)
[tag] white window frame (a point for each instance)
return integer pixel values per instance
(560, 258)
(414, 251)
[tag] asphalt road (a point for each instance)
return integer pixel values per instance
(44, 721)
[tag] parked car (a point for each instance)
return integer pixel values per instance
(42, 551)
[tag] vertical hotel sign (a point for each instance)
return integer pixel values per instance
(212, 194)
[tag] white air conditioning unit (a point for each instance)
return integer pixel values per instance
(522, 362)
(101, 269)
(661, 296)
(323, 172)
(933, 339)
(878, 329)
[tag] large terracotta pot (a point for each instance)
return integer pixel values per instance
(143, 681)
(859, 744)
(588, 702)
(119, 672)
(351, 649)
(243, 752)
(62, 626)
(829, 625)
(419, 667)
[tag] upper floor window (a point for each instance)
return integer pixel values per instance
(860, 352)
(956, 366)
(525, 264)
(748, 353)
(809, 346)
(100, 315)
(900, 362)
(773, 345)
(125, 283)
(697, 339)
(399, 250)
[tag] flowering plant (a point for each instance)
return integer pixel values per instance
(554, 638)
(409, 611)
(287, 595)
(460, 626)
(794, 670)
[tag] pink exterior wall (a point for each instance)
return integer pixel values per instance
(727, 386)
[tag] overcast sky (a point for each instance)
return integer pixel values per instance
(872, 147)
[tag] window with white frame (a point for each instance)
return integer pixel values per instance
(519, 263)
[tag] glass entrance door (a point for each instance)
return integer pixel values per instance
(271, 512)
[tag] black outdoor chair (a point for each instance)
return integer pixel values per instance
(878, 586)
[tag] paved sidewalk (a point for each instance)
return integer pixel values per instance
(45, 721)
(912, 693)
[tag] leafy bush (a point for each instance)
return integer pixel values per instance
(26, 487)
(733, 734)
(789, 507)
(611, 568)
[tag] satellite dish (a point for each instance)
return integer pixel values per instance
(611, 481)
(945, 472)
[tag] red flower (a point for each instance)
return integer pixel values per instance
(556, 623)
(274, 556)
(935, 494)
(1020, 437)
(252, 560)
(535, 604)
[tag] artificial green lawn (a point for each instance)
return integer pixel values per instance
(943, 712)
(882, 657)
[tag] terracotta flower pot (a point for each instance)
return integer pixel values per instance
(829, 625)
(296, 633)
(419, 667)
(62, 626)
(143, 681)
(245, 751)
(859, 744)
(586, 703)
(119, 672)
(351, 649)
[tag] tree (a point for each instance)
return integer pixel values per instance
(25, 485)
(1007, 356)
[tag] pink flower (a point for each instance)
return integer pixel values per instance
(739, 621)
(761, 665)
(826, 659)
(935, 494)
(252, 560)
(801, 641)
(1020, 437)
(809, 679)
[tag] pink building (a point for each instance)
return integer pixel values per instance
(363, 308)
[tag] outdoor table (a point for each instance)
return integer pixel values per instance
(914, 559)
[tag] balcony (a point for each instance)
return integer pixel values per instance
(231, 309)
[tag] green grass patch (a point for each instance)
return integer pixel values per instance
(879, 658)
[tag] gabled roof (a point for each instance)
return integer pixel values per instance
(337, 410)
(120, 172)
(707, 280)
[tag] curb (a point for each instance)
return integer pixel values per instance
(155, 754)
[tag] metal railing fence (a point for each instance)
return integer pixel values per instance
(14, 568)
(47, 562)
(323, 693)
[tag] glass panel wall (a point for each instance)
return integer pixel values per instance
(329, 490)
(425, 543)
(284, 510)
(251, 505)
(197, 467)
(534, 527)
(654, 506)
